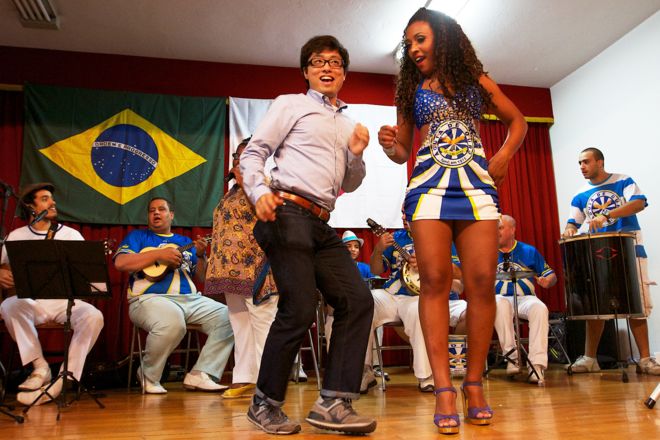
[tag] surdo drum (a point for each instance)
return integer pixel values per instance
(601, 276)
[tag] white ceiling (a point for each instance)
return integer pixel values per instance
(520, 42)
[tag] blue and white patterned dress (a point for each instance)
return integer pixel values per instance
(450, 180)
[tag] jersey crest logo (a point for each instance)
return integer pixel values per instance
(452, 145)
(602, 202)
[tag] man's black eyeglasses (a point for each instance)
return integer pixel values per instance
(334, 63)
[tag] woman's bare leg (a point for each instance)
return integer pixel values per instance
(433, 251)
(476, 242)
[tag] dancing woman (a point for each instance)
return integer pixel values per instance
(442, 90)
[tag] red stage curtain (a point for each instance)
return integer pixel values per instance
(11, 145)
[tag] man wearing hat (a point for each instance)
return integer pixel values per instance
(22, 315)
(354, 244)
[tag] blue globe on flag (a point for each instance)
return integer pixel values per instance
(124, 155)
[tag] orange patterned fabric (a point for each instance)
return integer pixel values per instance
(236, 260)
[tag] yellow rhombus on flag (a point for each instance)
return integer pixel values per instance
(74, 155)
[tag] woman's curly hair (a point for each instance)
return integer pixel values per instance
(457, 67)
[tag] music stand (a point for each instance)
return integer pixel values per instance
(60, 269)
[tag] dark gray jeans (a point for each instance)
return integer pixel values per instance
(305, 255)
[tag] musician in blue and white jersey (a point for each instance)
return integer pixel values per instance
(515, 255)
(609, 202)
(163, 307)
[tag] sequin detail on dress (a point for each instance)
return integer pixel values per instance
(428, 103)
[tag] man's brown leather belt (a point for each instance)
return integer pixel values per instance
(312, 207)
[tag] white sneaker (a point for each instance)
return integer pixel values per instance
(585, 364)
(512, 369)
(539, 377)
(149, 386)
(201, 382)
(368, 379)
(36, 380)
(649, 366)
(426, 385)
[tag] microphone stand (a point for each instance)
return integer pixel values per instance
(523, 357)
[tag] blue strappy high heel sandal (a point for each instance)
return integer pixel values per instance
(437, 418)
(471, 413)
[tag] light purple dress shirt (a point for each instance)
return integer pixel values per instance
(309, 138)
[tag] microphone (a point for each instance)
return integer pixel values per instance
(39, 217)
(8, 189)
(230, 176)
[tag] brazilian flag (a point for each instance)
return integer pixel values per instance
(108, 153)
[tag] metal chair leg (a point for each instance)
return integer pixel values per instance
(130, 359)
(316, 364)
(379, 353)
(143, 380)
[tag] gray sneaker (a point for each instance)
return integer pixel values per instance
(368, 379)
(271, 419)
(339, 415)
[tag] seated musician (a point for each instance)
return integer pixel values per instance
(353, 244)
(517, 256)
(21, 315)
(609, 202)
(164, 305)
(396, 302)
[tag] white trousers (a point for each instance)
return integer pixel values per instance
(457, 310)
(390, 308)
(251, 325)
(533, 310)
(22, 315)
